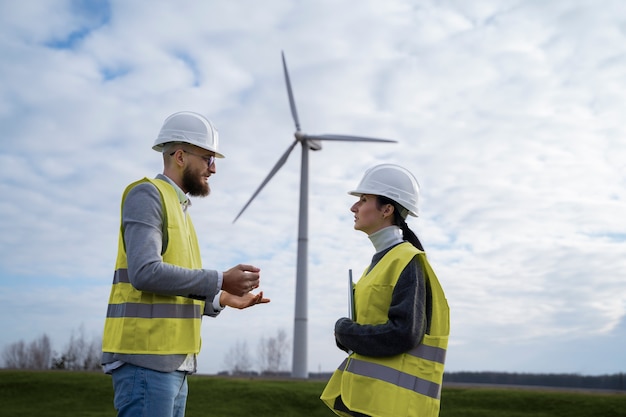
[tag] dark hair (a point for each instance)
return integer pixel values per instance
(398, 220)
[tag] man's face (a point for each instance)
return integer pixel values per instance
(196, 180)
(197, 172)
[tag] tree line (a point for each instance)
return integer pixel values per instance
(78, 354)
(609, 382)
(84, 355)
(271, 357)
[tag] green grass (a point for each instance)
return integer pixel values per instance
(89, 394)
(509, 402)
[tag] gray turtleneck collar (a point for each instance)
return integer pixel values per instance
(386, 238)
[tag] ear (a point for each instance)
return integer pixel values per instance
(178, 158)
(388, 210)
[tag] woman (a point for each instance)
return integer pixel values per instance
(398, 338)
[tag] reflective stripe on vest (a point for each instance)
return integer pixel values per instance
(154, 311)
(147, 311)
(392, 376)
(430, 353)
(121, 275)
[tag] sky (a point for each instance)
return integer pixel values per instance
(509, 113)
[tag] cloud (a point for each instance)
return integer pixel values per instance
(508, 113)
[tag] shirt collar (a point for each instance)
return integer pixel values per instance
(386, 238)
(182, 197)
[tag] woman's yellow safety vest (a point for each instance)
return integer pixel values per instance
(408, 384)
(141, 322)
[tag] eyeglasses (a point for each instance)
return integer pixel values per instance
(210, 160)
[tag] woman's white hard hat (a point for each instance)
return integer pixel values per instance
(391, 181)
(188, 127)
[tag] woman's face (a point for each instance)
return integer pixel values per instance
(368, 218)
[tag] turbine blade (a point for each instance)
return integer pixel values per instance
(347, 138)
(274, 170)
(292, 103)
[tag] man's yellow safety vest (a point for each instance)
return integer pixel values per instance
(141, 322)
(408, 384)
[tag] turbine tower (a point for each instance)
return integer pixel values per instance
(308, 142)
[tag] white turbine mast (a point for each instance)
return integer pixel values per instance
(308, 142)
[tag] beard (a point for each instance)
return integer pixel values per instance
(195, 184)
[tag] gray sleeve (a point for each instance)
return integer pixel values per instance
(212, 308)
(406, 322)
(143, 237)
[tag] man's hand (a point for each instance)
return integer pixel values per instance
(245, 301)
(240, 280)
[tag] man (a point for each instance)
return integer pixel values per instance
(160, 291)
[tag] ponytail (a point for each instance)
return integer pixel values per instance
(398, 220)
(407, 234)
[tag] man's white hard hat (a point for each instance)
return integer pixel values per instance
(391, 181)
(188, 127)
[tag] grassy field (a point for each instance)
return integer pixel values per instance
(59, 393)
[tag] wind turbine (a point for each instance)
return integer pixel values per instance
(308, 142)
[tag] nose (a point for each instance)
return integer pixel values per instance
(354, 207)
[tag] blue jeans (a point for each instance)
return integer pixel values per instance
(141, 392)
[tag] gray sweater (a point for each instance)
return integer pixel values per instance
(408, 312)
(142, 220)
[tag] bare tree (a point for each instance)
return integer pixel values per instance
(15, 355)
(35, 355)
(272, 352)
(79, 354)
(40, 353)
(237, 359)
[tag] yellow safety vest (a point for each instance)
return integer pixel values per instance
(141, 322)
(408, 384)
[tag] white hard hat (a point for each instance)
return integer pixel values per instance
(188, 127)
(391, 181)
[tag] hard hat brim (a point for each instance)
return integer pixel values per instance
(358, 193)
(159, 148)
